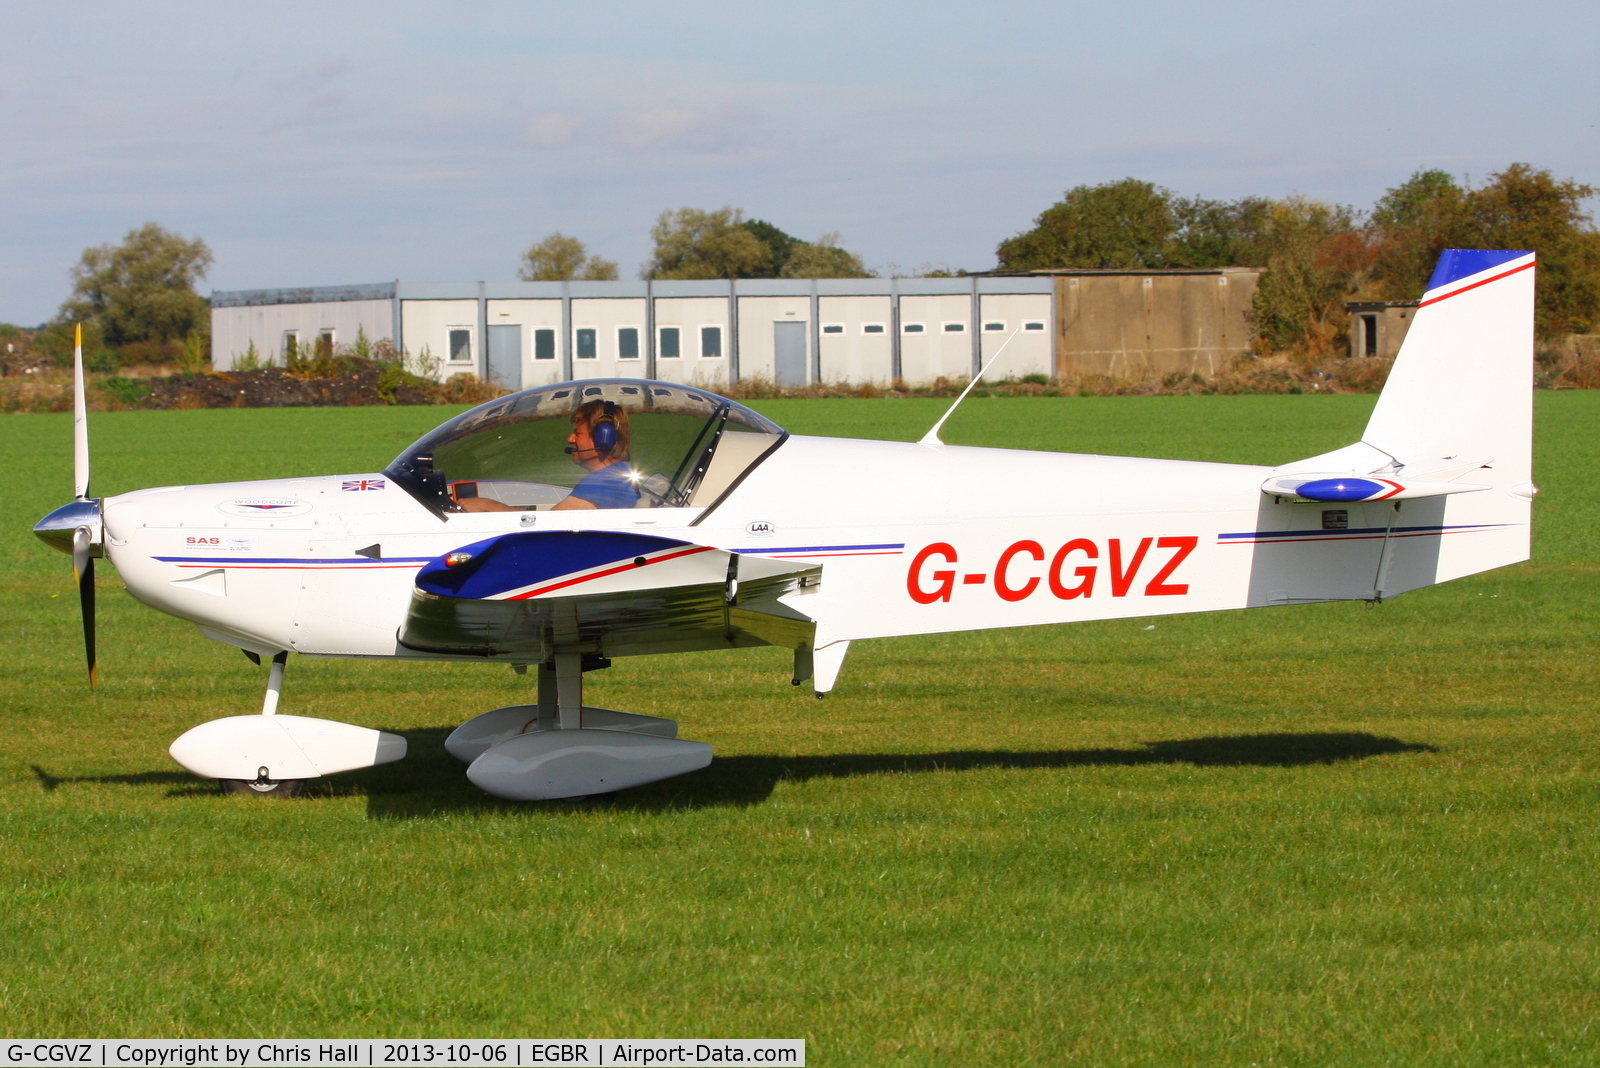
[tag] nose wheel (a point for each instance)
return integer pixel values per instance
(264, 787)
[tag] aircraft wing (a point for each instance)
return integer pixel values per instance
(520, 597)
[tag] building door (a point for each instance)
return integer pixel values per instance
(505, 356)
(1369, 335)
(789, 354)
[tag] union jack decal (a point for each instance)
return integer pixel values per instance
(357, 485)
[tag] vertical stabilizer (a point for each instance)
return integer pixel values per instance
(1462, 387)
(1449, 451)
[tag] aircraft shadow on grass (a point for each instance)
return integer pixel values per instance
(434, 782)
(49, 783)
(431, 782)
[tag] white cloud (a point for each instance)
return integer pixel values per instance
(553, 129)
(670, 129)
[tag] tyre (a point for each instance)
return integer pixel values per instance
(267, 788)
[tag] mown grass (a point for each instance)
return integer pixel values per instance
(1317, 835)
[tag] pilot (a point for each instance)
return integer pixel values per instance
(600, 442)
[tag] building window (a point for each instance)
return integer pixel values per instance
(1035, 325)
(544, 344)
(291, 345)
(627, 342)
(833, 328)
(586, 343)
(911, 328)
(460, 348)
(872, 328)
(710, 341)
(325, 343)
(668, 348)
(993, 325)
(955, 328)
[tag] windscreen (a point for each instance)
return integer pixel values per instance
(668, 446)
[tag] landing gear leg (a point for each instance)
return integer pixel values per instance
(547, 697)
(569, 690)
(261, 785)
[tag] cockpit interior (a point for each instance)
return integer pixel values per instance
(597, 443)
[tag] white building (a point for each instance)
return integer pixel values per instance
(790, 331)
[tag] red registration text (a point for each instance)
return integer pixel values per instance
(1025, 567)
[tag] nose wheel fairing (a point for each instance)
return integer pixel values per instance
(267, 751)
(289, 747)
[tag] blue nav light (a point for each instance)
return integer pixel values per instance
(1340, 489)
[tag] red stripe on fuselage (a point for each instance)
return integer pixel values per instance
(629, 566)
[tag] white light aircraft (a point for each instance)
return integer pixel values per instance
(558, 527)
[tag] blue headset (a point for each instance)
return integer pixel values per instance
(604, 430)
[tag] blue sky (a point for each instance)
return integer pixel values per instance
(349, 142)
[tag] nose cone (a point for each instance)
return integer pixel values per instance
(55, 529)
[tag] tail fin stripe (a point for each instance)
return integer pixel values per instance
(1475, 285)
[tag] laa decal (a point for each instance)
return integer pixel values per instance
(1071, 573)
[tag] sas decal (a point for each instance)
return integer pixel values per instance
(219, 543)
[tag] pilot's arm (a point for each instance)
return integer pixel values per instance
(487, 504)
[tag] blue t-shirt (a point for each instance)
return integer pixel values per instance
(610, 487)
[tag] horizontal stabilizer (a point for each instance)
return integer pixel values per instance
(1352, 488)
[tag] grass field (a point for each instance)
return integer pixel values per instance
(1326, 835)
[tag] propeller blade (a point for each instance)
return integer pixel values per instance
(83, 567)
(80, 420)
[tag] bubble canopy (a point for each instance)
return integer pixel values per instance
(599, 442)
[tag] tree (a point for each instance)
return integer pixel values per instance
(1412, 223)
(823, 259)
(1118, 224)
(780, 246)
(1316, 256)
(142, 289)
(559, 258)
(706, 244)
(1219, 233)
(1525, 208)
(1521, 207)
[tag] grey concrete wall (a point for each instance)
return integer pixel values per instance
(1149, 325)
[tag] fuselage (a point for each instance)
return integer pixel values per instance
(911, 539)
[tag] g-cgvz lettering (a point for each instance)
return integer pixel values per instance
(1071, 573)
